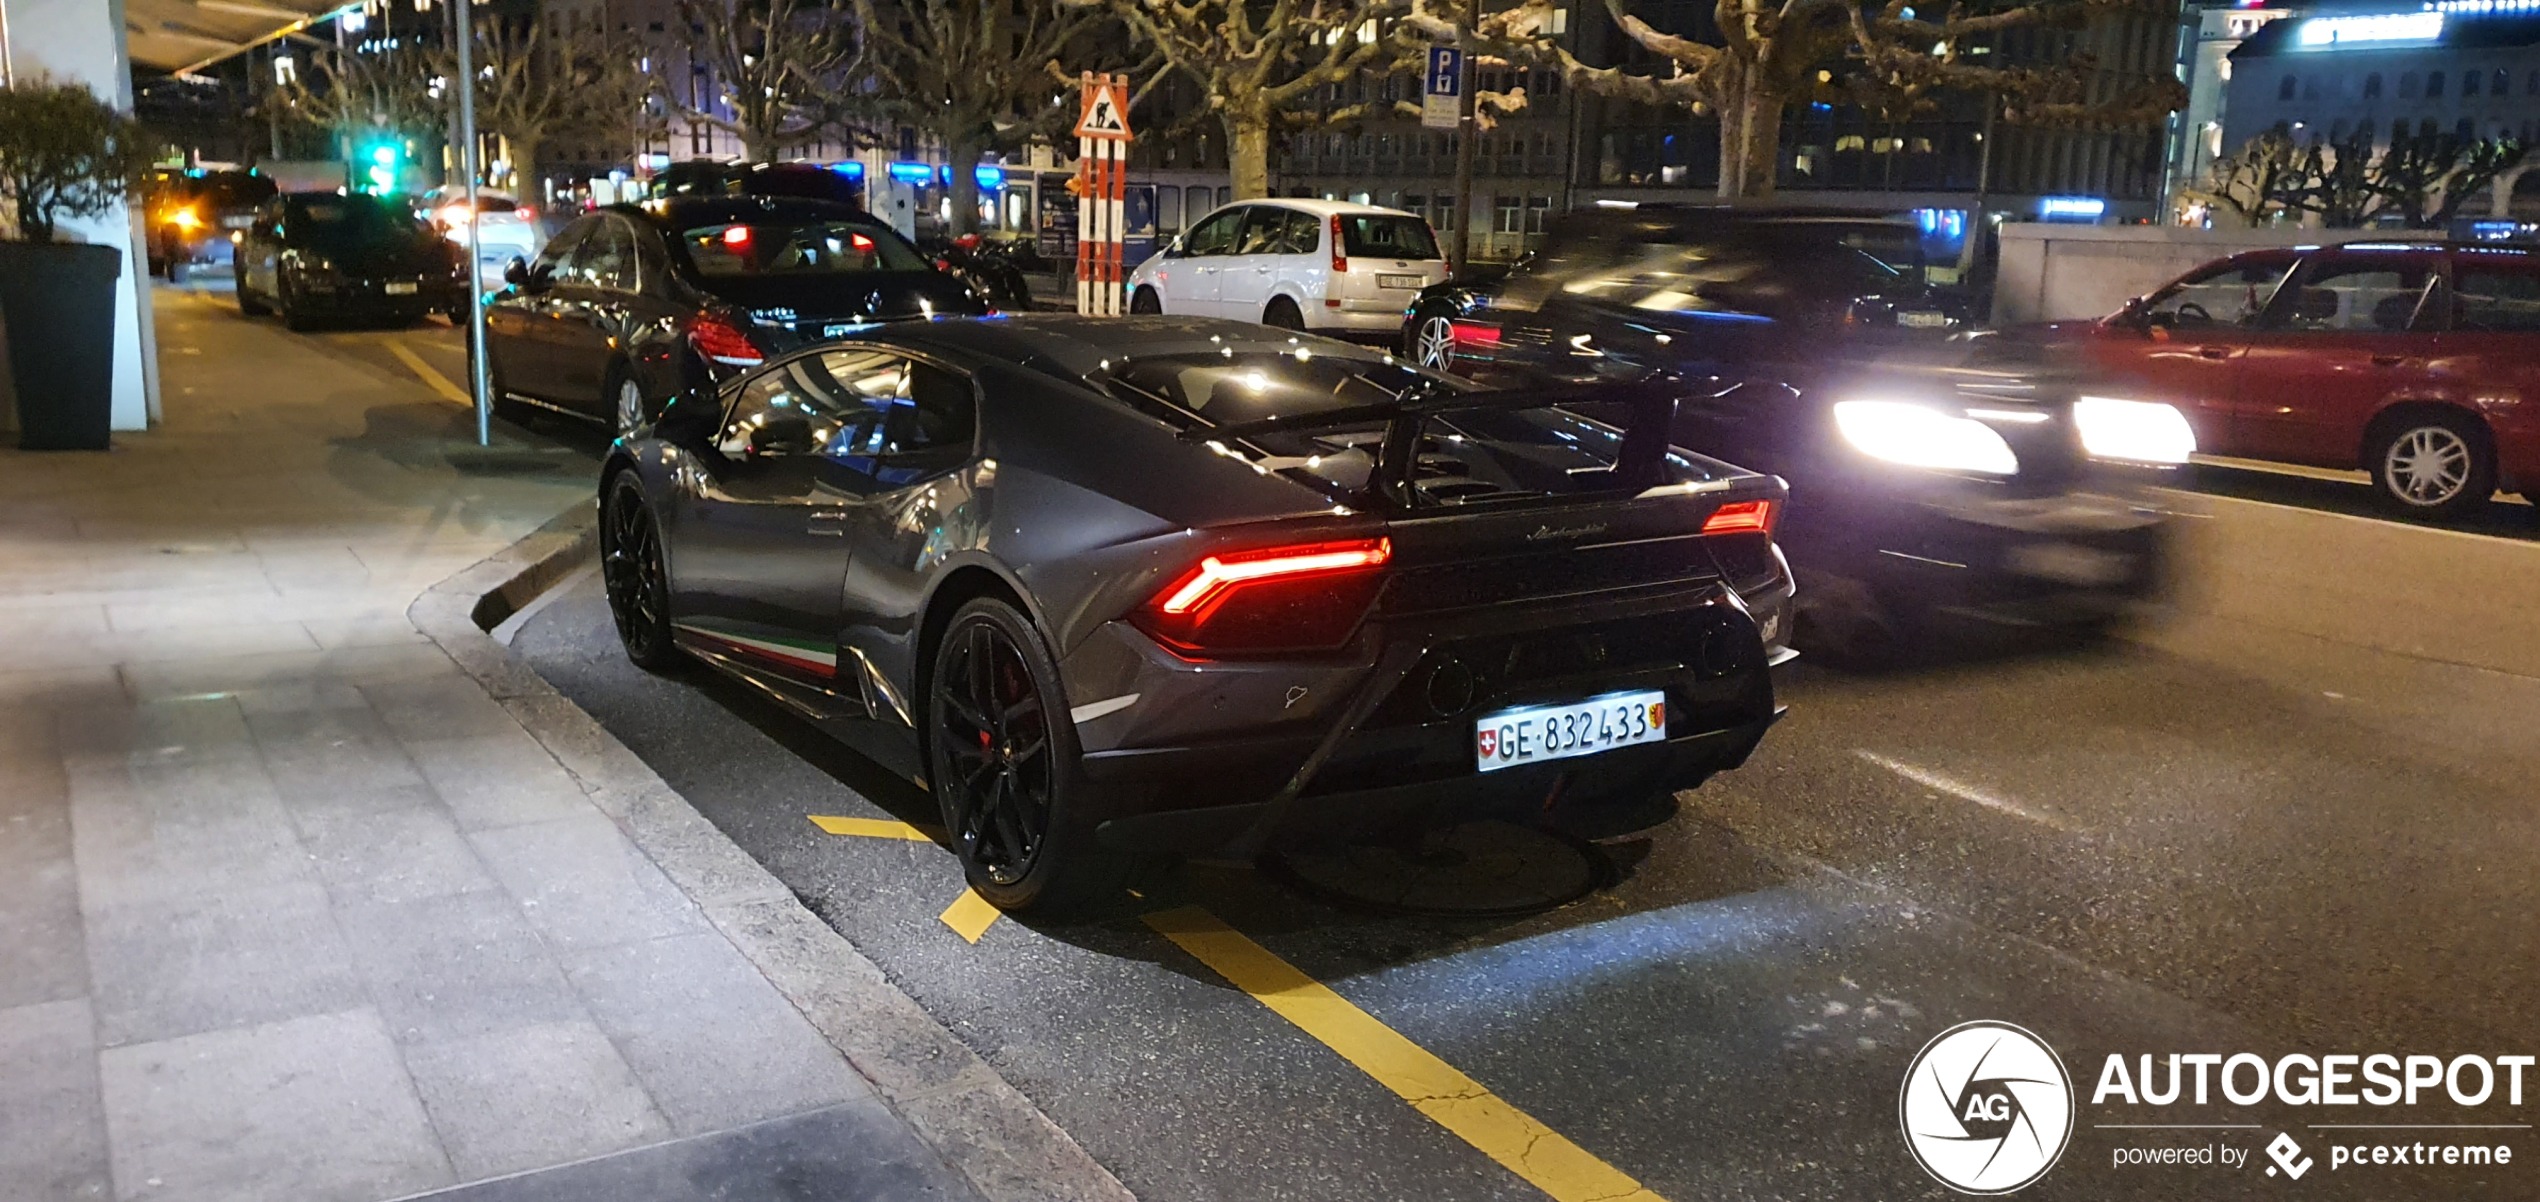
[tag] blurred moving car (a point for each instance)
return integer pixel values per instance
(1932, 472)
(316, 256)
(196, 218)
(2417, 362)
(1117, 584)
(631, 305)
(1322, 265)
(505, 228)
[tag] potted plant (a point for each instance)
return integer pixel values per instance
(63, 153)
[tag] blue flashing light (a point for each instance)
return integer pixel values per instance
(912, 173)
(990, 176)
(851, 169)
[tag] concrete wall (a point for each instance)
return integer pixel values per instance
(82, 41)
(2052, 272)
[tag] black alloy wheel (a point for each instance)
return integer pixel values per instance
(1003, 760)
(638, 587)
(1283, 314)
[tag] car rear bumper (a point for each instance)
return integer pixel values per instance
(1229, 758)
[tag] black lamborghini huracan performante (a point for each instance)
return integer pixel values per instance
(1162, 584)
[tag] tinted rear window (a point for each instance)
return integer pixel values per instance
(2504, 296)
(234, 190)
(1380, 236)
(796, 248)
(1465, 456)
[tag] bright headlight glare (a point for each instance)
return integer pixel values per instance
(1920, 436)
(2133, 431)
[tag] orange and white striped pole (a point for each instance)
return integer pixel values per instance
(1102, 190)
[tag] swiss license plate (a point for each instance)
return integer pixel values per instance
(400, 288)
(1914, 319)
(1397, 281)
(1556, 732)
(2069, 563)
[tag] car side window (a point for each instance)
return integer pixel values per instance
(606, 258)
(853, 403)
(550, 260)
(1265, 230)
(1300, 234)
(1215, 236)
(2336, 294)
(2228, 295)
(2501, 297)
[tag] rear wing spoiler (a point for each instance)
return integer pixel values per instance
(1639, 465)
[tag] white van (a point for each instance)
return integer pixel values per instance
(1321, 265)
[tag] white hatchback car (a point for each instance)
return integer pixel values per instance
(1322, 265)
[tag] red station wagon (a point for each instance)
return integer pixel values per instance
(2418, 362)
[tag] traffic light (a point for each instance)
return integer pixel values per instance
(380, 163)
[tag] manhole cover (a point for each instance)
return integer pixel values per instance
(1485, 869)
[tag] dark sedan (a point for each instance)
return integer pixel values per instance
(317, 256)
(632, 305)
(1933, 471)
(1170, 583)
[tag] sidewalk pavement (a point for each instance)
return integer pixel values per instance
(294, 905)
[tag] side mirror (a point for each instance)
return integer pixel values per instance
(1172, 249)
(781, 436)
(516, 272)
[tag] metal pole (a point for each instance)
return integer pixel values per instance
(477, 384)
(1468, 130)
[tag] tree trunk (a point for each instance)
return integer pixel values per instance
(525, 169)
(759, 143)
(1248, 151)
(961, 158)
(1750, 141)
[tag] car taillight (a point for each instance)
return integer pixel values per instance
(723, 342)
(1301, 597)
(1740, 517)
(1340, 260)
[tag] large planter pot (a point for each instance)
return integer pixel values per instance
(58, 303)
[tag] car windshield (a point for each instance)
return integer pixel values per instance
(1387, 236)
(799, 248)
(1466, 456)
(351, 221)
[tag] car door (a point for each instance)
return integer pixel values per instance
(756, 553)
(2487, 356)
(1191, 284)
(518, 341)
(2350, 333)
(2186, 344)
(912, 508)
(591, 306)
(259, 250)
(1244, 282)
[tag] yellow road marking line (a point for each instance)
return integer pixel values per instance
(430, 375)
(970, 915)
(1435, 1088)
(872, 828)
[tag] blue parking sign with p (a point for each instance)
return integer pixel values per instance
(1446, 71)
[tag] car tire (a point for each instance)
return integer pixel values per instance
(1283, 314)
(178, 270)
(249, 304)
(1430, 334)
(293, 317)
(634, 573)
(2432, 464)
(993, 687)
(1146, 301)
(624, 404)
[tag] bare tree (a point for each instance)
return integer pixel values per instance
(530, 87)
(1259, 64)
(2426, 178)
(2262, 180)
(783, 69)
(1772, 53)
(395, 90)
(2337, 180)
(979, 75)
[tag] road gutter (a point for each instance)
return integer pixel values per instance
(956, 1102)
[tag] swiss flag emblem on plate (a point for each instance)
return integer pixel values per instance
(1490, 742)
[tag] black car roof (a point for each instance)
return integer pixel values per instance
(1075, 345)
(684, 212)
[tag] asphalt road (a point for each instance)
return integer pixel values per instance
(2215, 836)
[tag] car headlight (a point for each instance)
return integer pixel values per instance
(2133, 431)
(1920, 436)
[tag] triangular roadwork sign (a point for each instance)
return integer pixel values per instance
(1106, 108)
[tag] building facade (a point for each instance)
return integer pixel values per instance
(2464, 67)
(2212, 30)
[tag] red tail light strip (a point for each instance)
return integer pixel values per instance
(723, 342)
(1216, 576)
(1740, 517)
